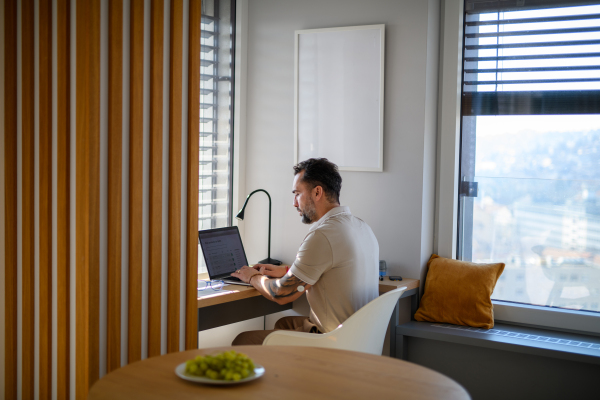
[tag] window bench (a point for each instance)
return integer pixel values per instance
(507, 361)
(542, 342)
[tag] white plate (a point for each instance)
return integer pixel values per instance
(259, 371)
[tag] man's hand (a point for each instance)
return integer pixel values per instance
(270, 270)
(245, 273)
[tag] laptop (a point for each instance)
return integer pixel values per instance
(223, 253)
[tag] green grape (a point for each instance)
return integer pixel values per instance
(192, 369)
(189, 365)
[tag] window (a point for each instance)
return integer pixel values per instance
(216, 116)
(529, 192)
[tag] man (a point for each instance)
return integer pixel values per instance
(337, 265)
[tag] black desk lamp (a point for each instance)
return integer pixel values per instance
(240, 216)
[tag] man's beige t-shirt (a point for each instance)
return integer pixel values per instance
(340, 259)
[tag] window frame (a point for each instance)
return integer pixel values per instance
(238, 169)
(447, 181)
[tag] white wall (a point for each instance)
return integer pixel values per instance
(397, 203)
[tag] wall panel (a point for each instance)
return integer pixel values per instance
(74, 70)
(115, 155)
(175, 127)
(156, 168)
(28, 199)
(191, 314)
(63, 201)
(136, 188)
(45, 200)
(87, 192)
(10, 200)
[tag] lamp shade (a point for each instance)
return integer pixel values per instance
(240, 215)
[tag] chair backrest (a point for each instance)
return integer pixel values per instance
(365, 329)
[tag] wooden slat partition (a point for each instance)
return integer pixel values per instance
(45, 193)
(156, 181)
(93, 131)
(88, 184)
(175, 132)
(28, 203)
(115, 177)
(75, 161)
(191, 314)
(63, 201)
(136, 179)
(10, 193)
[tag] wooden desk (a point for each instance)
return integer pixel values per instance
(240, 292)
(290, 373)
(234, 303)
(226, 307)
(386, 285)
(412, 291)
(227, 294)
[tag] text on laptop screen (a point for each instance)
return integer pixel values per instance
(223, 252)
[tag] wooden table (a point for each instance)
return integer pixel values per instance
(291, 373)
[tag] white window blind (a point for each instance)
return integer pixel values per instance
(531, 57)
(216, 106)
(217, 66)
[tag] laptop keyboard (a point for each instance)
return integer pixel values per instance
(234, 281)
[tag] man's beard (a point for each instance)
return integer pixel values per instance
(309, 213)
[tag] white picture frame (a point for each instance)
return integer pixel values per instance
(339, 96)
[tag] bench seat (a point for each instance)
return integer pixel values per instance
(543, 342)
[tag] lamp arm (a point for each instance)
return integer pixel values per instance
(269, 196)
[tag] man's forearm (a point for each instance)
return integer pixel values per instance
(280, 290)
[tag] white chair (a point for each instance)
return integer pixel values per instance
(364, 331)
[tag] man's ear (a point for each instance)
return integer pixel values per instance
(318, 192)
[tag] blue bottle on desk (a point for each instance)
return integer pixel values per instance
(382, 269)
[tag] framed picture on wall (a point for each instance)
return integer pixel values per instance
(338, 103)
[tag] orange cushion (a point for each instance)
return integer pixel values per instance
(459, 292)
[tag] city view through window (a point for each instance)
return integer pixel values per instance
(534, 202)
(538, 207)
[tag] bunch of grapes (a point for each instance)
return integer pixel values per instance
(229, 366)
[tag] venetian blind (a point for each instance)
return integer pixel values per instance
(531, 57)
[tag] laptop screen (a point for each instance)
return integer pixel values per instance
(223, 251)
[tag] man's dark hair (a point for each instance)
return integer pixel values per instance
(324, 173)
